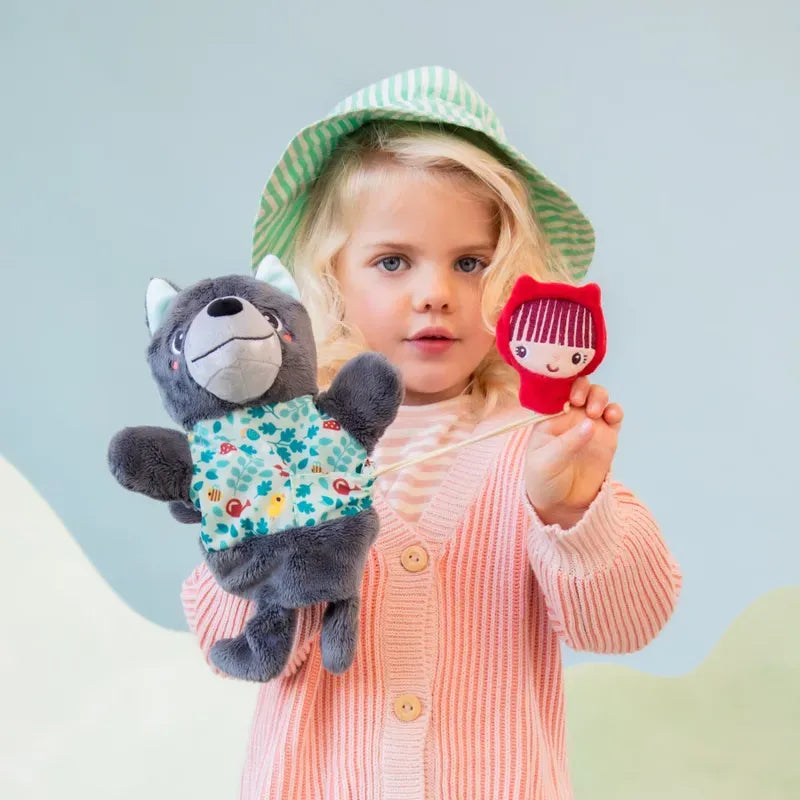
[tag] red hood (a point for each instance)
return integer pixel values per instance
(542, 393)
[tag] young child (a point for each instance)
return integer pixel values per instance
(407, 218)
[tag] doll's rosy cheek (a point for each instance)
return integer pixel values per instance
(561, 361)
(573, 360)
(531, 355)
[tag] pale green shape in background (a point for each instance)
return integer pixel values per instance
(729, 729)
(132, 710)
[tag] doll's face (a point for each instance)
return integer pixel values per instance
(552, 337)
(553, 360)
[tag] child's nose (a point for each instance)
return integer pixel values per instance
(433, 291)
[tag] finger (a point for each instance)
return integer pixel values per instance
(613, 414)
(579, 392)
(560, 422)
(552, 458)
(596, 401)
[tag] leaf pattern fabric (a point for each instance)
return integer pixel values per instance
(266, 468)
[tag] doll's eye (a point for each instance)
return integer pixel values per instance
(521, 351)
(176, 345)
(577, 358)
(274, 321)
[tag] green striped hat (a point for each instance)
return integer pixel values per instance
(426, 94)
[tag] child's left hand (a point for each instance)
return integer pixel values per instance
(567, 464)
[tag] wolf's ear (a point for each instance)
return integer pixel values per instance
(160, 294)
(271, 271)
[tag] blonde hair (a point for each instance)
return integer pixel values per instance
(440, 152)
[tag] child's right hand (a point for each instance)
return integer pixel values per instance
(570, 455)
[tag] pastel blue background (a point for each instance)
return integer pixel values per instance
(136, 138)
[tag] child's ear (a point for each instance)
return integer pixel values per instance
(159, 295)
(271, 271)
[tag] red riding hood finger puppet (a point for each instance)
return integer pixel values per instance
(551, 333)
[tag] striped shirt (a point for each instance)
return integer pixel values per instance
(418, 430)
(456, 690)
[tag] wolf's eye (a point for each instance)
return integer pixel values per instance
(274, 321)
(176, 345)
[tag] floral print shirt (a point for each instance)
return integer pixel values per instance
(266, 468)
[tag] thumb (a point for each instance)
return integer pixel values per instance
(555, 455)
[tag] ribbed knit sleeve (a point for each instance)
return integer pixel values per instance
(610, 582)
(214, 614)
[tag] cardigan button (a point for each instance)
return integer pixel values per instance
(414, 558)
(407, 707)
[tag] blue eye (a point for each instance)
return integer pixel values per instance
(469, 264)
(391, 263)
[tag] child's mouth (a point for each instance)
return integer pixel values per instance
(552, 369)
(432, 340)
(432, 344)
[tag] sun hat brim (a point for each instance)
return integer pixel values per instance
(286, 193)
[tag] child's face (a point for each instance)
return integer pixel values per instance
(410, 273)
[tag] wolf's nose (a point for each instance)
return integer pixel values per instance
(224, 307)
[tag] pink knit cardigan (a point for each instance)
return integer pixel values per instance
(456, 691)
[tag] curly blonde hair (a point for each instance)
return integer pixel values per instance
(438, 151)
